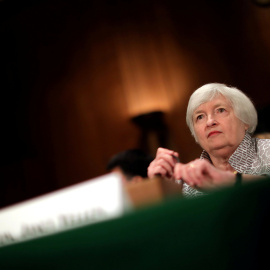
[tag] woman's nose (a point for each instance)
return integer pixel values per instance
(211, 121)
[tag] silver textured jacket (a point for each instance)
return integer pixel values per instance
(252, 157)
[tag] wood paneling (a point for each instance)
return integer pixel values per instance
(75, 72)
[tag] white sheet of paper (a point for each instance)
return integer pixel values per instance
(91, 201)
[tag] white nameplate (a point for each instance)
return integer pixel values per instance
(85, 203)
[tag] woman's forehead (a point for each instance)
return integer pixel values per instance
(214, 102)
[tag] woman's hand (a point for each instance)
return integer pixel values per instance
(203, 175)
(163, 164)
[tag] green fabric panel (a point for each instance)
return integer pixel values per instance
(226, 229)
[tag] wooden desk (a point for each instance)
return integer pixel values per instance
(151, 191)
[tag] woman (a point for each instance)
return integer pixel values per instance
(222, 120)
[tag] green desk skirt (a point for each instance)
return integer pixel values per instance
(227, 229)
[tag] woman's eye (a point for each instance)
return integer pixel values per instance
(221, 110)
(199, 117)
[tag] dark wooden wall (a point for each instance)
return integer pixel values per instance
(73, 74)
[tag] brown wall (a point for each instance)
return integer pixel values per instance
(75, 72)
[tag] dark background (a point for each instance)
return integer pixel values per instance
(74, 74)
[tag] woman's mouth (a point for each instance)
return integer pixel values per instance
(212, 133)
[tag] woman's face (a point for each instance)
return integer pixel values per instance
(217, 127)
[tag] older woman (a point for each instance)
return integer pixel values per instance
(222, 120)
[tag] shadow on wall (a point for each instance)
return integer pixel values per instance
(263, 120)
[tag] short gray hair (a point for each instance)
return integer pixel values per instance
(242, 106)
